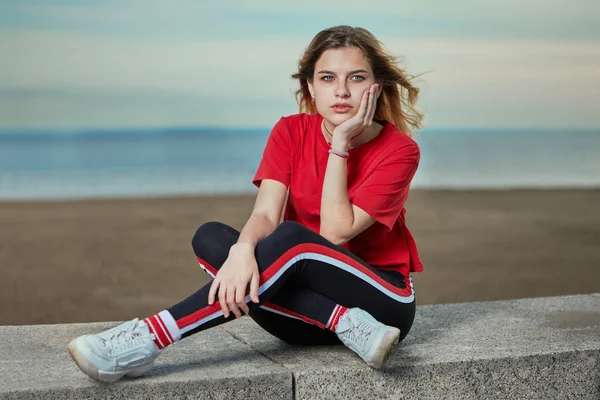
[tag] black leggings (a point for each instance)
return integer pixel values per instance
(304, 279)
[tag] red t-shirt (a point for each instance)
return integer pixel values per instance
(379, 175)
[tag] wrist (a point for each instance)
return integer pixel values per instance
(342, 154)
(340, 145)
(243, 247)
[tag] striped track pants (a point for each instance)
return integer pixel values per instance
(304, 279)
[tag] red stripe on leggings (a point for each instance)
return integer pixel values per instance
(326, 251)
(281, 261)
(294, 314)
(206, 265)
(198, 315)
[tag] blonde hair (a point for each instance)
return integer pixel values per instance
(397, 101)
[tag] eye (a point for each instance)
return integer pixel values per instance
(358, 78)
(327, 78)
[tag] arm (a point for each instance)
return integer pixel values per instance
(272, 178)
(380, 197)
(265, 215)
(340, 220)
(240, 268)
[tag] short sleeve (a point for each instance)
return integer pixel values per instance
(276, 160)
(384, 192)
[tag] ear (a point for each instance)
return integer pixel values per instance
(311, 89)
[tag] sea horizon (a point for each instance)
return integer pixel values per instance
(166, 162)
(19, 132)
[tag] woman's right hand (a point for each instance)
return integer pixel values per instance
(231, 282)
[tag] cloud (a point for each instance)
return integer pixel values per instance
(533, 19)
(160, 64)
(221, 69)
(59, 109)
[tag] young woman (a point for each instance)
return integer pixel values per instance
(338, 268)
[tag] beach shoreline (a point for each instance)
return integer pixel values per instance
(114, 259)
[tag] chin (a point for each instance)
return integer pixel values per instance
(336, 118)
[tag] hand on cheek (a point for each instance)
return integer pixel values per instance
(360, 121)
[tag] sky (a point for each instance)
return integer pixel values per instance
(147, 64)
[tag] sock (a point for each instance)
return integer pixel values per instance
(164, 328)
(337, 313)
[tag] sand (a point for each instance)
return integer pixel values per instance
(108, 260)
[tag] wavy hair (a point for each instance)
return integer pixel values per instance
(397, 102)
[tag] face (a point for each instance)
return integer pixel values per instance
(341, 76)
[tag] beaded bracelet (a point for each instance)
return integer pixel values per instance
(343, 154)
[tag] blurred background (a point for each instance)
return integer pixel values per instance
(125, 125)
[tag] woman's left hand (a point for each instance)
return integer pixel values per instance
(343, 133)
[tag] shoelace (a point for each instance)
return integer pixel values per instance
(359, 331)
(121, 338)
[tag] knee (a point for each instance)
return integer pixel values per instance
(205, 233)
(207, 228)
(291, 229)
(291, 233)
(295, 233)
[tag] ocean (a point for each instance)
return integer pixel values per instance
(113, 164)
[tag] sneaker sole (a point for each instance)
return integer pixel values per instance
(88, 368)
(384, 351)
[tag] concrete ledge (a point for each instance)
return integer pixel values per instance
(34, 365)
(546, 348)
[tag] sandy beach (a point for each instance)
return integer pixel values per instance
(105, 260)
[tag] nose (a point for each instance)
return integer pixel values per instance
(342, 89)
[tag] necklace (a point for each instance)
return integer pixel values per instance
(330, 134)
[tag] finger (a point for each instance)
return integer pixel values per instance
(367, 114)
(372, 105)
(231, 302)
(223, 302)
(213, 290)
(240, 293)
(362, 109)
(254, 284)
(371, 108)
(364, 104)
(376, 93)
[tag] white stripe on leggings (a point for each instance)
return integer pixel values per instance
(317, 257)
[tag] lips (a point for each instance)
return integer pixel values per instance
(341, 107)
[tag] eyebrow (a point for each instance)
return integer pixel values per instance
(324, 71)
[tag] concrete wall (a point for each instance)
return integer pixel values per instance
(545, 348)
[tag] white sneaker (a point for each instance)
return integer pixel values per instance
(127, 349)
(367, 337)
